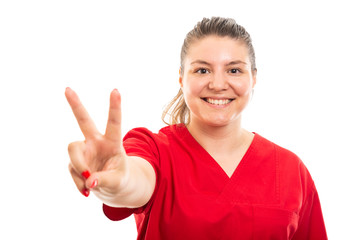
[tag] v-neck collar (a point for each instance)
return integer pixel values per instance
(214, 164)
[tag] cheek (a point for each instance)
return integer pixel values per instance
(193, 88)
(242, 87)
(188, 93)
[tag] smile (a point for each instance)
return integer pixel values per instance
(217, 101)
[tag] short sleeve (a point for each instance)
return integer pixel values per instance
(302, 197)
(138, 142)
(141, 142)
(311, 223)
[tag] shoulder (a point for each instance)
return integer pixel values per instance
(142, 133)
(164, 133)
(282, 154)
(142, 137)
(289, 163)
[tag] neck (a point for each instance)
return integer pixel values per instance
(223, 138)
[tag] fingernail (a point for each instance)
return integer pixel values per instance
(86, 174)
(94, 183)
(68, 89)
(85, 192)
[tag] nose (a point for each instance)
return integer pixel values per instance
(218, 82)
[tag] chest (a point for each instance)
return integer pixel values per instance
(216, 220)
(228, 162)
(228, 159)
(199, 200)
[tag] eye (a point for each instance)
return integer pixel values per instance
(202, 71)
(235, 70)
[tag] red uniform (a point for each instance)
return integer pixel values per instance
(271, 195)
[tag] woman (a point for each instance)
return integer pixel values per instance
(203, 176)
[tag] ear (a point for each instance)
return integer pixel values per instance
(180, 78)
(254, 74)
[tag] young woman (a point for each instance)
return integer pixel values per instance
(203, 176)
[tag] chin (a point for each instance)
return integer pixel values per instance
(217, 120)
(220, 122)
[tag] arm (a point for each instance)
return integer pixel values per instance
(100, 163)
(311, 222)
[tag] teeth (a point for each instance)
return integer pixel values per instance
(218, 101)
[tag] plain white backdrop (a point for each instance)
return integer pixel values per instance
(306, 98)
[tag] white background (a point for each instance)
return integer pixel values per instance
(306, 98)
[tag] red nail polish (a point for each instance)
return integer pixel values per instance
(94, 183)
(85, 192)
(86, 174)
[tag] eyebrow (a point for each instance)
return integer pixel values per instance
(236, 62)
(228, 64)
(199, 62)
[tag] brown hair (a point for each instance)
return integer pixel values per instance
(177, 110)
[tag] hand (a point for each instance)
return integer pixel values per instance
(99, 163)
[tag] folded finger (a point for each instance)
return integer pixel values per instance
(79, 181)
(76, 153)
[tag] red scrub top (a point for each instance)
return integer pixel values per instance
(271, 194)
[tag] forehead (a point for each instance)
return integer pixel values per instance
(217, 49)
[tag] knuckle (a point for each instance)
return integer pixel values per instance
(114, 121)
(82, 120)
(97, 137)
(72, 171)
(77, 180)
(71, 147)
(79, 184)
(70, 167)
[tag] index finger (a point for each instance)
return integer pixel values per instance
(86, 124)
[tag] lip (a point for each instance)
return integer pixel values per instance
(217, 102)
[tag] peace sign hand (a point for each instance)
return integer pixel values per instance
(99, 163)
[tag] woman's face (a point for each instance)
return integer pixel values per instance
(217, 80)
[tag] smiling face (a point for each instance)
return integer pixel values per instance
(217, 81)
